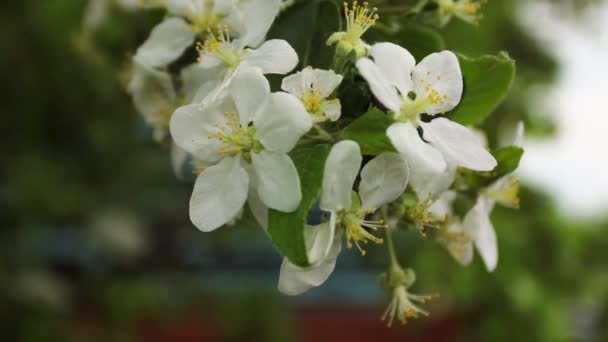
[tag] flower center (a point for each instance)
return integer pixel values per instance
(402, 306)
(236, 139)
(218, 46)
(201, 15)
(356, 229)
(507, 194)
(466, 10)
(313, 101)
(359, 19)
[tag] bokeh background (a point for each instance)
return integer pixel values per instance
(96, 244)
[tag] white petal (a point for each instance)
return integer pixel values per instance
(298, 83)
(514, 136)
(153, 94)
(294, 280)
(325, 81)
(332, 109)
(319, 240)
(254, 18)
(275, 56)
(383, 180)
(427, 165)
(191, 126)
(478, 225)
(382, 88)
(282, 122)
(460, 249)
(439, 72)
(278, 180)
(257, 207)
(442, 206)
(178, 159)
(396, 63)
(341, 169)
(250, 91)
(219, 194)
(198, 82)
(167, 41)
(459, 144)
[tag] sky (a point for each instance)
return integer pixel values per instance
(573, 166)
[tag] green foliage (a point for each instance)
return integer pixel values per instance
(369, 131)
(287, 229)
(508, 159)
(487, 80)
(306, 26)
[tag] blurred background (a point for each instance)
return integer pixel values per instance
(96, 244)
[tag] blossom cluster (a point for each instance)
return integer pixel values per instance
(223, 118)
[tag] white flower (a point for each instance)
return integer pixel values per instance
(383, 180)
(154, 97)
(313, 87)
(432, 87)
(359, 19)
(247, 19)
(403, 307)
(466, 10)
(220, 59)
(245, 136)
(504, 191)
(453, 234)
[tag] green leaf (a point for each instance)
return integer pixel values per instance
(508, 159)
(487, 80)
(306, 26)
(287, 229)
(419, 40)
(369, 131)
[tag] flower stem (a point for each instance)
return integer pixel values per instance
(323, 134)
(389, 242)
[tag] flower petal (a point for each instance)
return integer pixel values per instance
(275, 56)
(396, 63)
(257, 207)
(294, 280)
(325, 81)
(298, 83)
(198, 82)
(341, 169)
(459, 144)
(253, 19)
(178, 159)
(319, 240)
(426, 163)
(167, 41)
(219, 194)
(332, 109)
(383, 180)
(250, 90)
(191, 126)
(382, 88)
(438, 76)
(478, 225)
(282, 122)
(278, 181)
(153, 94)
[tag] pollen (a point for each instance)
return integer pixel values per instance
(359, 18)
(358, 230)
(313, 101)
(234, 138)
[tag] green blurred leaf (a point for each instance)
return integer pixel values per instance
(369, 131)
(306, 26)
(508, 159)
(419, 40)
(487, 80)
(287, 229)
